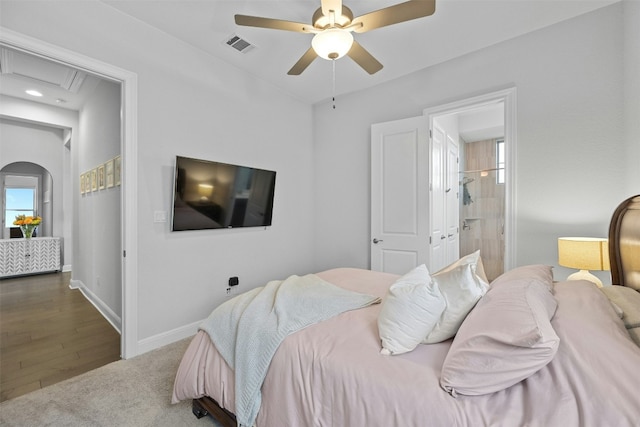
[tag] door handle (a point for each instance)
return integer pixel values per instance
(376, 241)
(449, 235)
(443, 237)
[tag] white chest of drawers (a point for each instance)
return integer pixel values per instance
(28, 256)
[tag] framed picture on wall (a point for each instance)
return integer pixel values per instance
(109, 171)
(94, 179)
(87, 182)
(101, 179)
(116, 170)
(82, 183)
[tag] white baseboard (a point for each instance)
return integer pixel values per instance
(165, 338)
(147, 344)
(66, 268)
(108, 314)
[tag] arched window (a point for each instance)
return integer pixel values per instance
(20, 197)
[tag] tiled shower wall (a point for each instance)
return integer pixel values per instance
(482, 207)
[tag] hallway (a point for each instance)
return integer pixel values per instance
(48, 333)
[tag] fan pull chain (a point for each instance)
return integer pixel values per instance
(333, 93)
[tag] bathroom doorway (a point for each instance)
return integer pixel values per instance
(486, 140)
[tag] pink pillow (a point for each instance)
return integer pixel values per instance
(507, 337)
(536, 273)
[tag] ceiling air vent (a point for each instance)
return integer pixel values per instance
(239, 44)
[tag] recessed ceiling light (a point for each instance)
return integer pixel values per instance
(33, 92)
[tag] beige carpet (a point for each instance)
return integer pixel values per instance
(134, 392)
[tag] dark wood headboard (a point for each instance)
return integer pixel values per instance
(624, 244)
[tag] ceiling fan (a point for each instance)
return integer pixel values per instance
(333, 24)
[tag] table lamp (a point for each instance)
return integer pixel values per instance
(584, 254)
(205, 191)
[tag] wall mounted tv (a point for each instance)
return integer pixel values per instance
(209, 195)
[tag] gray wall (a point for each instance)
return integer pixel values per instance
(58, 121)
(43, 146)
(96, 228)
(571, 152)
(195, 105)
(631, 46)
(572, 149)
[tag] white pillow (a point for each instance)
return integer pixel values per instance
(409, 311)
(462, 284)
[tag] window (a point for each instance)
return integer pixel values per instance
(500, 161)
(18, 201)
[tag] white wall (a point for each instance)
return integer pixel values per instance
(570, 149)
(41, 146)
(631, 11)
(30, 116)
(194, 105)
(96, 228)
(570, 96)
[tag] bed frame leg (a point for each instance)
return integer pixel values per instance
(198, 410)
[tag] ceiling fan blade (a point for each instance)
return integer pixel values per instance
(395, 14)
(331, 5)
(364, 59)
(303, 62)
(275, 24)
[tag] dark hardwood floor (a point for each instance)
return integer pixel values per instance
(49, 333)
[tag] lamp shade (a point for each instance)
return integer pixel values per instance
(205, 190)
(583, 253)
(332, 43)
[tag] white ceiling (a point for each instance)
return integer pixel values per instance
(482, 123)
(60, 85)
(456, 28)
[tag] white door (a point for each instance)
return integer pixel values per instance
(445, 246)
(399, 195)
(438, 223)
(452, 204)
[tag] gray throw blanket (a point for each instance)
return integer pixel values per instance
(248, 329)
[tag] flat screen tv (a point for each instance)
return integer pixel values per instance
(209, 195)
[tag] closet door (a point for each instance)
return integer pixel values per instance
(399, 195)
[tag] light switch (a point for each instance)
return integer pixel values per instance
(160, 216)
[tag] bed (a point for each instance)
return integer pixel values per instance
(624, 253)
(578, 365)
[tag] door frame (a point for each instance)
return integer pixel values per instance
(128, 148)
(508, 97)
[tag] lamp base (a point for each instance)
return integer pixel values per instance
(585, 275)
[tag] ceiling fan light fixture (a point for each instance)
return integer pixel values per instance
(332, 43)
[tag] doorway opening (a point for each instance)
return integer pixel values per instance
(128, 149)
(485, 127)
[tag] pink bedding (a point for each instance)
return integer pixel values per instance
(332, 373)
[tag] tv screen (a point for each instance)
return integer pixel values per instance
(209, 195)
